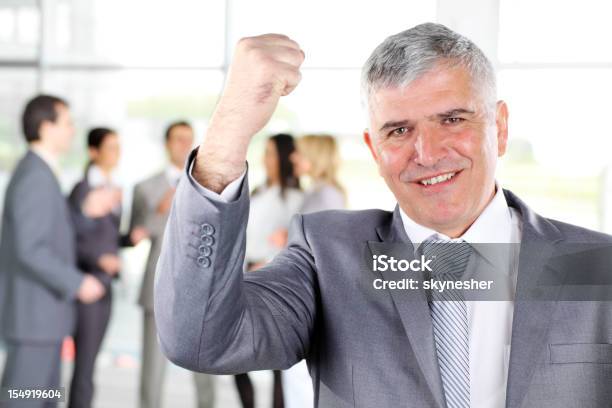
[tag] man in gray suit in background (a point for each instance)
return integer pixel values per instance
(436, 130)
(150, 207)
(37, 253)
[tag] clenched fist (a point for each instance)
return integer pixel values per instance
(264, 68)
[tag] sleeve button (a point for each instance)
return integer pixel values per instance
(207, 229)
(204, 261)
(205, 250)
(207, 240)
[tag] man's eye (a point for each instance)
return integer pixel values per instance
(452, 121)
(399, 131)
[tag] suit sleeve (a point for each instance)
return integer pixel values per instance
(34, 236)
(212, 319)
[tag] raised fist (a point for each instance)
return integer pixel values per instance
(264, 68)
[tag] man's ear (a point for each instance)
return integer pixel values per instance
(501, 120)
(367, 138)
(44, 129)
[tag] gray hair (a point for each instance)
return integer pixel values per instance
(404, 57)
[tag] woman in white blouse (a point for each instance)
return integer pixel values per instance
(273, 203)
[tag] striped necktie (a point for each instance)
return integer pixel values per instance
(449, 318)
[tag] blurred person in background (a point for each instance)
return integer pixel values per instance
(98, 244)
(272, 206)
(273, 203)
(38, 253)
(316, 162)
(318, 159)
(151, 204)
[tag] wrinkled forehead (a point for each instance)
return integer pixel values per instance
(440, 89)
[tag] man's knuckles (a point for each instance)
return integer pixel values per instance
(266, 50)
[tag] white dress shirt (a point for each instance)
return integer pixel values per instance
(489, 322)
(96, 178)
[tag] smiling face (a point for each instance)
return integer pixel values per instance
(436, 145)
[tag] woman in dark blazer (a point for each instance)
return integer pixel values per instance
(98, 243)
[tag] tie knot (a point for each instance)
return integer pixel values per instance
(449, 258)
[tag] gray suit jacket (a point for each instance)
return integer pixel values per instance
(37, 256)
(322, 197)
(147, 195)
(364, 349)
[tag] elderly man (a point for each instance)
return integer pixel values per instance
(436, 131)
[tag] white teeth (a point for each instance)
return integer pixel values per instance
(437, 179)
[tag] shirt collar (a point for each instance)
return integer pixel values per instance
(493, 225)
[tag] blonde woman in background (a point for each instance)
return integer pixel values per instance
(317, 158)
(316, 162)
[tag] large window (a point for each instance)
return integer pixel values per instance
(137, 64)
(143, 33)
(555, 71)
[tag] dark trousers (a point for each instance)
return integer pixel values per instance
(31, 365)
(92, 321)
(247, 395)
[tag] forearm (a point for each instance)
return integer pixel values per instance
(221, 158)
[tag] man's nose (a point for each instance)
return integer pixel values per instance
(428, 148)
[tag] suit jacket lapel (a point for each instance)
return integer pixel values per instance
(532, 318)
(411, 305)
